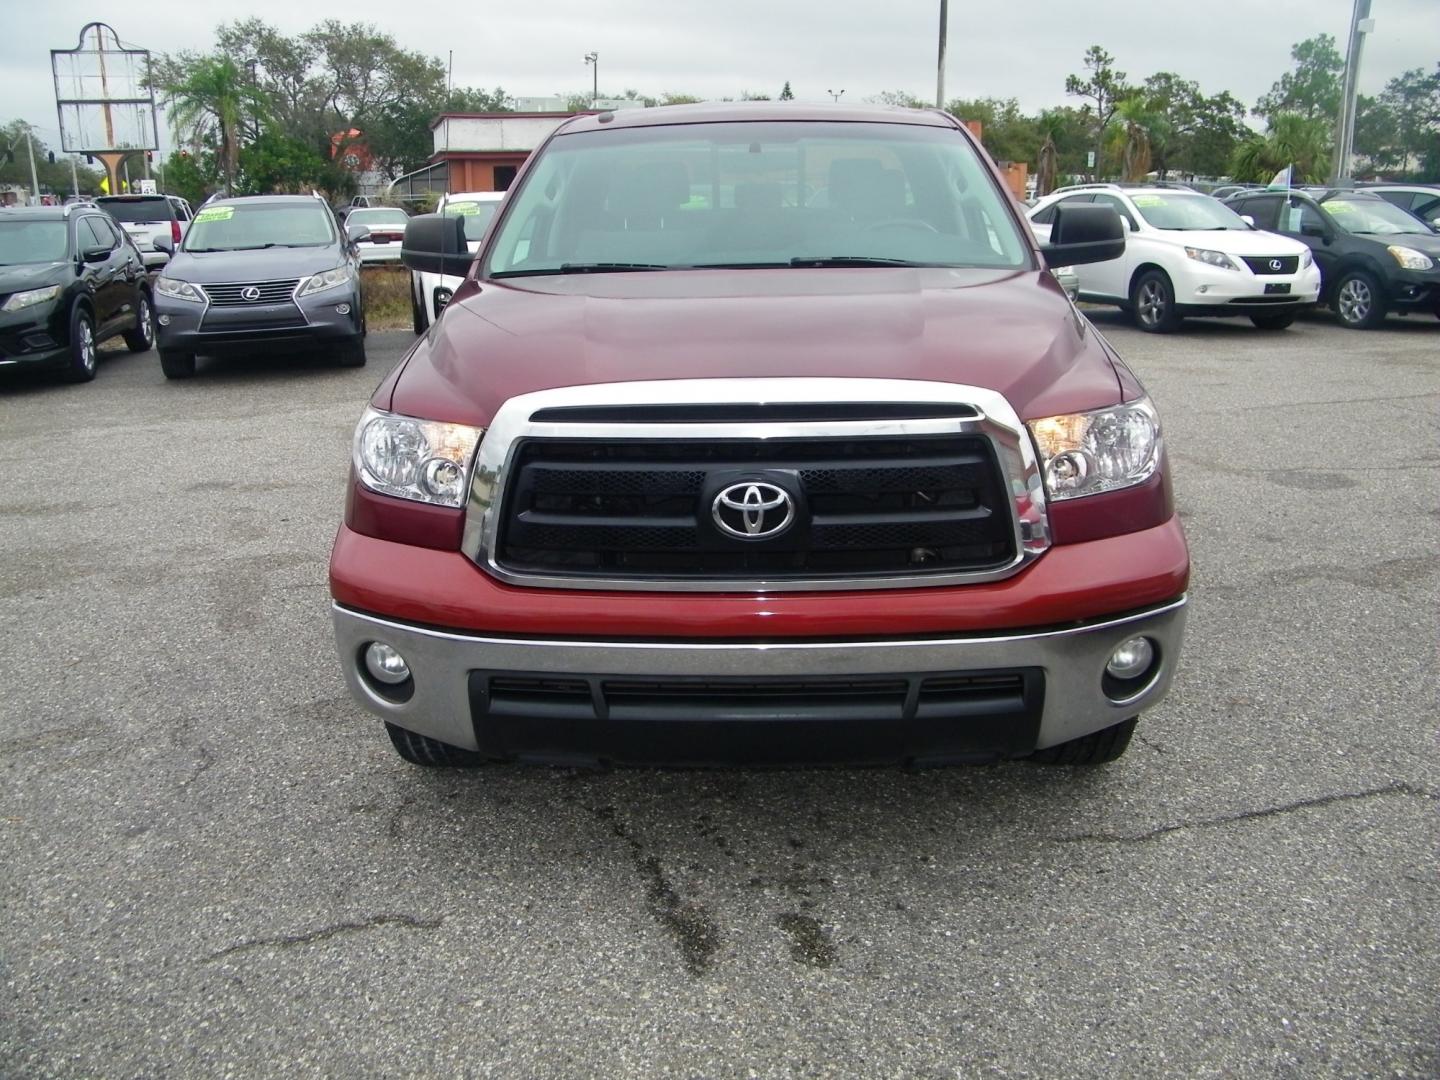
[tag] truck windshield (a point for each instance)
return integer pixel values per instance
(756, 194)
(31, 242)
(247, 226)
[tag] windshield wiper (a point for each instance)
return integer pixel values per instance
(851, 260)
(582, 268)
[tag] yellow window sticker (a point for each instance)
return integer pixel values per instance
(1148, 200)
(463, 209)
(1337, 208)
(216, 213)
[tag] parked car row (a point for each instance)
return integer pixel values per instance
(1263, 254)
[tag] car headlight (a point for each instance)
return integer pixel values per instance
(330, 279)
(1409, 258)
(423, 460)
(1307, 260)
(1212, 258)
(30, 297)
(178, 290)
(1090, 452)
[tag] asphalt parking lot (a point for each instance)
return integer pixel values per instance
(212, 863)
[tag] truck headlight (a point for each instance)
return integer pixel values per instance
(1409, 258)
(178, 290)
(329, 279)
(1212, 258)
(1090, 452)
(423, 460)
(29, 298)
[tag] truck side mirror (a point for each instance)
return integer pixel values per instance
(1084, 234)
(435, 244)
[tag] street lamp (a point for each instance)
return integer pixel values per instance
(592, 60)
(835, 95)
(1360, 25)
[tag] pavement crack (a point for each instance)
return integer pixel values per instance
(687, 922)
(1249, 815)
(410, 922)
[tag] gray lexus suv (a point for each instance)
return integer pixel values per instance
(265, 272)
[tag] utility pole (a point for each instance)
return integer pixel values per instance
(940, 65)
(1360, 25)
(34, 180)
(74, 177)
(592, 59)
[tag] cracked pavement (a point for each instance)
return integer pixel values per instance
(212, 863)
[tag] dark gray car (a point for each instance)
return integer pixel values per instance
(265, 272)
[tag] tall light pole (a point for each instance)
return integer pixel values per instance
(1360, 25)
(592, 59)
(940, 64)
(835, 95)
(34, 180)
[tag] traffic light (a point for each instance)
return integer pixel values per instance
(51, 155)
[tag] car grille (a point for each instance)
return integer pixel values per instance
(863, 506)
(1260, 264)
(228, 294)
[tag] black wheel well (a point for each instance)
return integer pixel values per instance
(1143, 269)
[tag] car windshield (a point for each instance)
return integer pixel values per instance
(31, 242)
(377, 217)
(1372, 216)
(1198, 212)
(248, 226)
(477, 216)
(756, 194)
(137, 210)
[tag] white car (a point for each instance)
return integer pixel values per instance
(429, 293)
(387, 229)
(1188, 254)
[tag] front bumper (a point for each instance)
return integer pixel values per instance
(32, 337)
(379, 253)
(448, 699)
(1240, 292)
(186, 326)
(1414, 290)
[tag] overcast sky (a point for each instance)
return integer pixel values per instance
(996, 49)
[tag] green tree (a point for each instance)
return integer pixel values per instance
(1312, 89)
(900, 98)
(786, 94)
(1189, 132)
(1292, 139)
(54, 178)
(209, 103)
(1102, 88)
(1005, 130)
(191, 176)
(1136, 122)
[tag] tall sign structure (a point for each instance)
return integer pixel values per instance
(104, 100)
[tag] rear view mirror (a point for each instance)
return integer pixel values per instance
(1312, 228)
(163, 243)
(435, 244)
(1084, 234)
(95, 254)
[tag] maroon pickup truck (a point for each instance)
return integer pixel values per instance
(760, 433)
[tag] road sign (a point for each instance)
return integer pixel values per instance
(147, 187)
(1090, 160)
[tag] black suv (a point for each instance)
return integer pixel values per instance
(1373, 256)
(69, 279)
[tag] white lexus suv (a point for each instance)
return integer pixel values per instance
(429, 293)
(1188, 254)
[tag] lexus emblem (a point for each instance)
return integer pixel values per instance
(1276, 264)
(753, 510)
(250, 292)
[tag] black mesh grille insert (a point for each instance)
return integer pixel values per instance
(1260, 264)
(867, 506)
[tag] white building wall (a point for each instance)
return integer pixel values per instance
(518, 132)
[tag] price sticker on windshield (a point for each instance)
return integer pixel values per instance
(1148, 200)
(463, 209)
(215, 213)
(1337, 208)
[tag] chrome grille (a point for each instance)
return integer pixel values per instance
(229, 293)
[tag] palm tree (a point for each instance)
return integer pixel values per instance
(1139, 123)
(1292, 140)
(213, 97)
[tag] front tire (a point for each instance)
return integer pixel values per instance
(142, 336)
(1358, 303)
(1273, 322)
(431, 753)
(84, 349)
(1152, 302)
(1094, 749)
(352, 353)
(177, 365)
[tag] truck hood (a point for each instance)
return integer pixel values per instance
(1011, 331)
(264, 264)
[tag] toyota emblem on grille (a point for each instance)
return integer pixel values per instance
(250, 292)
(753, 510)
(1276, 264)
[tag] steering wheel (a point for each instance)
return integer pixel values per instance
(901, 223)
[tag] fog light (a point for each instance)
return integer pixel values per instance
(342, 309)
(1130, 660)
(1203, 288)
(385, 664)
(164, 320)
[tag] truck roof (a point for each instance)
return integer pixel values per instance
(712, 112)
